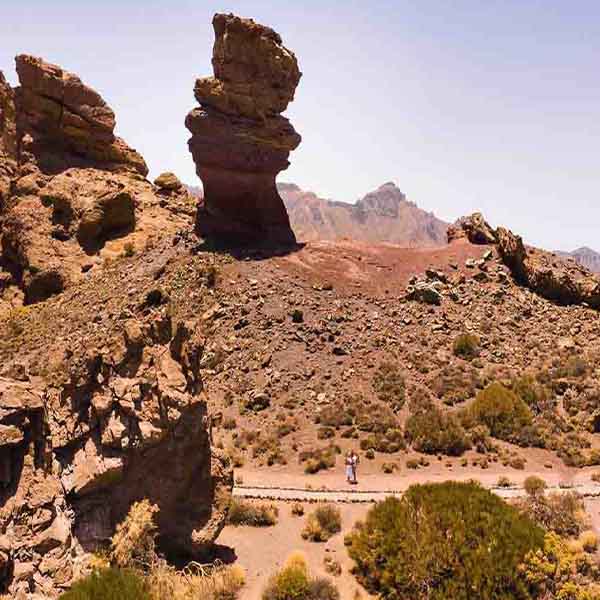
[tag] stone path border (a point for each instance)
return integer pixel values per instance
(288, 494)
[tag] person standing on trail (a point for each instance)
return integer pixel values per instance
(350, 472)
(354, 464)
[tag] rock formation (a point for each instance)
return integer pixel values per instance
(240, 141)
(383, 215)
(548, 275)
(104, 408)
(72, 194)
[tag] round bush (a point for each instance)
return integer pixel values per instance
(440, 541)
(501, 410)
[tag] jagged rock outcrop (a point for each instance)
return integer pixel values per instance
(8, 138)
(542, 272)
(474, 227)
(546, 274)
(72, 194)
(65, 123)
(93, 418)
(240, 141)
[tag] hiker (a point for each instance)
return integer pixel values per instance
(350, 472)
(353, 464)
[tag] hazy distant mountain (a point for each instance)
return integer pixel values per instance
(384, 215)
(585, 256)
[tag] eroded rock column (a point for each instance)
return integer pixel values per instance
(240, 141)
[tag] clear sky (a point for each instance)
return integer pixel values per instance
(489, 105)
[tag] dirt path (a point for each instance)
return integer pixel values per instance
(327, 487)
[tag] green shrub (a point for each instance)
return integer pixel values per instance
(388, 383)
(441, 541)
(318, 459)
(499, 409)
(535, 395)
(434, 432)
(242, 512)
(466, 346)
(297, 315)
(109, 584)
(389, 442)
(534, 486)
(294, 582)
(323, 523)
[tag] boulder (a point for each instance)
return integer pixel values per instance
(240, 141)
(475, 228)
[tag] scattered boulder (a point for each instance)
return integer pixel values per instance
(168, 181)
(423, 291)
(475, 228)
(239, 139)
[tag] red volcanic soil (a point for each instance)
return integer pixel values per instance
(373, 268)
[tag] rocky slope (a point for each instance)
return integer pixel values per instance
(384, 215)
(239, 139)
(72, 194)
(561, 281)
(107, 404)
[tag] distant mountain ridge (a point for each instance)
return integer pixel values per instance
(586, 257)
(384, 215)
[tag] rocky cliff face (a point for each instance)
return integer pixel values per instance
(102, 401)
(543, 272)
(239, 139)
(103, 405)
(72, 194)
(384, 215)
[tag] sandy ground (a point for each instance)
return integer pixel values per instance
(262, 551)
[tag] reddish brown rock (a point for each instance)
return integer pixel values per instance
(66, 122)
(239, 140)
(71, 193)
(115, 419)
(8, 138)
(546, 274)
(474, 227)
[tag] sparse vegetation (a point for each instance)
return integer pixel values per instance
(501, 411)
(109, 584)
(319, 459)
(294, 582)
(244, 512)
(434, 432)
(389, 385)
(466, 346)
(324, 522)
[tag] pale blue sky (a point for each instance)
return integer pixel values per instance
(489, 105)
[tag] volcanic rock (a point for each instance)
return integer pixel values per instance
(239, 139)
(71, 193)
(546, 274)
(552, 277)
(58, 111)
(107, 422)
(475, 228)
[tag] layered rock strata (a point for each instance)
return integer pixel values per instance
(72, 194)
(240, 141)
